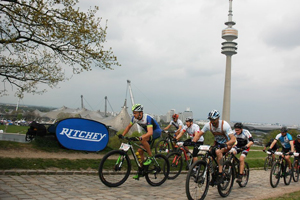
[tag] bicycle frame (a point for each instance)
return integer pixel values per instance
(129, 145)
(183, 150)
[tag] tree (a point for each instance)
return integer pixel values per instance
(39, 37)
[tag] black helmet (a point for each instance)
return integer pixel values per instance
(283, 129)
(298, 136)
(189, 119)
(238, 125)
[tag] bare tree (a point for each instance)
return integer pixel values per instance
(39, 37)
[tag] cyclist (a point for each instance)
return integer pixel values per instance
(192, 129)
(177, 123)
(297, 144)
(244, 141)
(224, 138)
(286, 141)
(151, 128)
(275, 148)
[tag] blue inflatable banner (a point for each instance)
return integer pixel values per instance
(82, 134)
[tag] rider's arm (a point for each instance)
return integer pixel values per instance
(197, 136)
(232, 140)
(149, 131)
(178, 130)
(292, 145)
(273, 143)
(127, 129)
(250, 143)
(167, 127)
(180, 135)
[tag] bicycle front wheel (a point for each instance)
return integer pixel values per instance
(197, 181)
(275, 174)
(225, 187)
(295, 171)
(245, 177)
(162, 147)
(267, 164)
(114, 168)
(176, 162)
(287, 178)
(158, 171)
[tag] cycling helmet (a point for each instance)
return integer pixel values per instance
(137, 107)
(214, 114)
(298, 136)
(175, 116)
(283, 129)
(189, 119)
(238, 125)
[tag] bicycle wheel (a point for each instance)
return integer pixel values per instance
(287, 178)
(158, 171)
(225, 187)
(245, 177)
(275, 174)
(114, 168)
(295, 171)
(162, 147)
(176, 162)
(197, 182)
(267, 164)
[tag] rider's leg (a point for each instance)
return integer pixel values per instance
(219, 154)
(147, 145)
(242, 163)
(287, 158)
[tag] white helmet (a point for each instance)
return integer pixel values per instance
(214, 114)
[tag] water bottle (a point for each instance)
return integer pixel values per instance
(138, 156)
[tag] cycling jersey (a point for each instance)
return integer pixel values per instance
(177, 123)
(147, 121)
(221, 133)
(243, 138)
(284, 140)
(192, 130)
(297, 146)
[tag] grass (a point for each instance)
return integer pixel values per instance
(290, 196)
(14, 129)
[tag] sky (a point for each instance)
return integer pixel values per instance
(171, 53)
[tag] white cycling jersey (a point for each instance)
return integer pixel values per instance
(221, 133)
(192, 130)
(177, 124)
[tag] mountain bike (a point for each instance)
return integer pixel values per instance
(166, 145)
(236, 166)
(115, 166)
(279, 169)
(268, 160)
(296, 167)
(177, 158)
(198, 181)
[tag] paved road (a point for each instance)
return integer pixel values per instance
(85, 187)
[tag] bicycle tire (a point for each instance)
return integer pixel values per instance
(275, 174)
(246, 174)
(114, 175)
(267, 163)
(197, 183)
(162, 147)
(287, 178)
(176, 163)
(225, 187)
(158, 171)
(295, 171)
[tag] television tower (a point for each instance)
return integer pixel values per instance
(228, 48)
